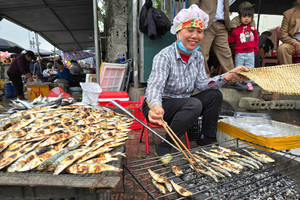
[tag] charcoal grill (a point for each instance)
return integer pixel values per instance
(278, 180)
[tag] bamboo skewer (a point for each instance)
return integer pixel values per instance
(175, 138)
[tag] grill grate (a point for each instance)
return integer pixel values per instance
(272, 181)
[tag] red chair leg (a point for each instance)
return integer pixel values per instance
(187, 140)
(147, 141)
(141, 134)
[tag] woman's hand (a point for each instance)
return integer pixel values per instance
(232, 75)
(154, 117)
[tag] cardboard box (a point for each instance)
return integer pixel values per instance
(34, 91)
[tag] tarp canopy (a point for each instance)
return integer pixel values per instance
(7, 45)
(66, 24)
(76, 55)
(273, 7)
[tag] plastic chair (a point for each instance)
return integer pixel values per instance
(154, 126)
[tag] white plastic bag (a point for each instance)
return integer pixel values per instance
(90, 92)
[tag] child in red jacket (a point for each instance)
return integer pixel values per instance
(246, 38)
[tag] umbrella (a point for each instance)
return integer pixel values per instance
(43, 52)
(76, 55)
(4, 55)
(6, 45)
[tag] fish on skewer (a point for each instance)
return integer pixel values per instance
(216, 155)
(160, 187)
(156, 176)
(201, 159)
(235, 164)
(176, 170)
(93, 154)
(84, 168)
(180, 190)
(259, 156)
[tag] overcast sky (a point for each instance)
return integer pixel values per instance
(19, 35)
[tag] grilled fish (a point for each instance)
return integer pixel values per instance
(71, 158)
(56, 138)
(102, 160)
(228, 167)
(213, 155)
(213, 171)
(259, 156)
(176, 170)
(252, 159)
(247, 161)
(159, 186)
(203, 160)
(10, 156)
(243, 163)
(168, 185)
(229, 151)
(235, 164)
(6, 143)
(208, 173)
(180, 190)
(17, 165)
(93, 154)
(156, 176)
(84, 168)
(221, 170)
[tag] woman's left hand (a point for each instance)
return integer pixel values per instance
(232, 75)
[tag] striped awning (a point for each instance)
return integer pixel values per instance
(76, 55)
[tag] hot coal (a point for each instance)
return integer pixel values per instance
(250, 184)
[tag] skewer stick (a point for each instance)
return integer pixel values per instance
(190, 154)
(172, 134)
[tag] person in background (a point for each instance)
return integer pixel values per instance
(176, 71)
(216, 34)
(75, 68)
(62, 72)
(236, 21)
(246, 38)
(289, 35)
(264, 45)
(47, 72)
(38, 67)
(18, 67)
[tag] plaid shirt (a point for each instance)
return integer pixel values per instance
(171, 77)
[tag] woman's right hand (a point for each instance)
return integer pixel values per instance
(154, 117)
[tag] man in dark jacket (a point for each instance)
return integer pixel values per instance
(20, 66)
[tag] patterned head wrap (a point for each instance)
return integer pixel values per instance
(191, 17)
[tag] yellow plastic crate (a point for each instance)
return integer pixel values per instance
(287, 142)
(34, 91)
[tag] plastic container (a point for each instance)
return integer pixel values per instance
(9, 90)
(34, 91)
(106, 97)
(111, 76)
(135, 108)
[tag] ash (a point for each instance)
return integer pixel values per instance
(250, 184)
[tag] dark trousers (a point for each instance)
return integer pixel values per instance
(182, 113)
(16, 79)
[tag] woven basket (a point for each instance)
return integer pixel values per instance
(283, 79)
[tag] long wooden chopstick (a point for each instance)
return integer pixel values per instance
(172, 134)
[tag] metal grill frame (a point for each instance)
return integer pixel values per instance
(286, 163)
